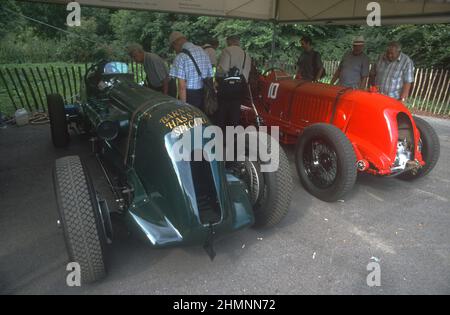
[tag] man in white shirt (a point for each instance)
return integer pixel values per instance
(233, 63)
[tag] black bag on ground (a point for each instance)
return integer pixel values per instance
(210, 96)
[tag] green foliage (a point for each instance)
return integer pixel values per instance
(53, 14)
(82, 43)
(26, 47)
(112, 30)
(9, 23)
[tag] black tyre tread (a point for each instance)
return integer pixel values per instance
(341, 142)
(58, 123)
(280, 185)
(78, 215)
(435, 152)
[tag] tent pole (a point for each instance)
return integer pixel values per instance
(274, 32)
(274, 44)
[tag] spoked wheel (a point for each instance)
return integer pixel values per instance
(270, 193)
(326, 162)
(321, 163)
(250, 174)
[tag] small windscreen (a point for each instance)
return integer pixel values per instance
(116, 67)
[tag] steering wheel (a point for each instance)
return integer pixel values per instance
(93, 76)
(95, 67)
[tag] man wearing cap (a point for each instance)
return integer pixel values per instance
(234, 62)
(190, 83)
(353, 71)
(154, 66)
(393, 75)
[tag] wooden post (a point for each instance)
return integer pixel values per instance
(37, 88)
(55, 79)
(69, 85)
(414, 84)
(417, 87)
(15, 88)
(445, 87)
(430, 89)
(77, 89)
(422, 88)
(30, 87)
(16, 71)
(436, 92)
(447, 103)
(80, 74)
(45, 88)
(63, 83)
(50, 82)
(7, 90)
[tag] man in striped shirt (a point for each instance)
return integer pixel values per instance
(393, 75)
(190, 83)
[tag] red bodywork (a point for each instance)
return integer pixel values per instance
(370, 120)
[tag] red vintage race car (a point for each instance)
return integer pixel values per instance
(339, 132)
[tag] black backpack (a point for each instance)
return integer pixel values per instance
(234, 82)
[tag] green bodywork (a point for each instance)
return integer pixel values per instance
(173, 203)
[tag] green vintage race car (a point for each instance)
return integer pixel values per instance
(163, 201)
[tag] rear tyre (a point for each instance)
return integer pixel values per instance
(326, 162)
(431, 150)
(270, 192)
(80, 218)
(58, 122)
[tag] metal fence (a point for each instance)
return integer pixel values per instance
(27, 86)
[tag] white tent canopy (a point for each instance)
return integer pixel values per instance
(291, 11)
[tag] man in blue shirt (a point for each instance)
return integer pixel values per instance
(190, 83)
(353, 70)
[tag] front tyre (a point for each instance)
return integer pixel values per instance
(80, 218)
(431, 150)
(326, 162)
(270, 193)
